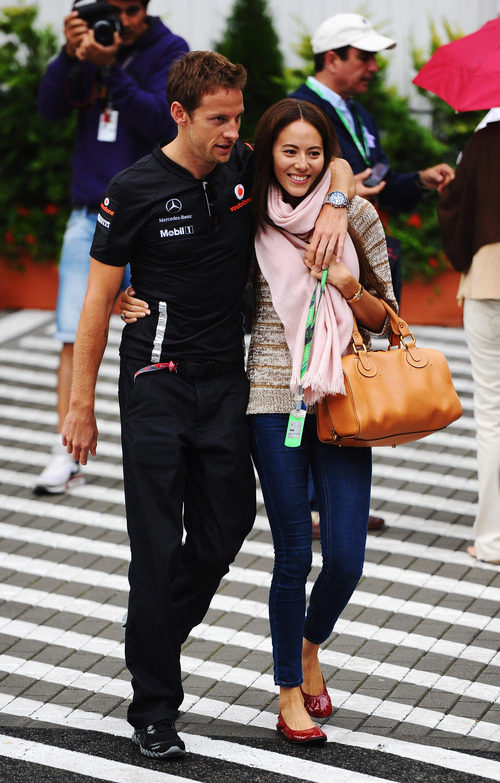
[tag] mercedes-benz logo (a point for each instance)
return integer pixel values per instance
(173, 205)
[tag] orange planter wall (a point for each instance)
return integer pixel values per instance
(34, 286)
(432, 303)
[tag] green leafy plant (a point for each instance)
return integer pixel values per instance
(34, 155)
(250, 39)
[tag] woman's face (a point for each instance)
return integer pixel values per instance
(298, 158)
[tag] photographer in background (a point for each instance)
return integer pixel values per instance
(113, 71)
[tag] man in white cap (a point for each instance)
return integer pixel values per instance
(344, 48)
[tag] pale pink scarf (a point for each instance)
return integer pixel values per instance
(280, 255)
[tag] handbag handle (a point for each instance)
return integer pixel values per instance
(399, 330)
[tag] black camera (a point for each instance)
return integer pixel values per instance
(101, 17)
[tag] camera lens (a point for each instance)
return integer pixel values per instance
(103, 32)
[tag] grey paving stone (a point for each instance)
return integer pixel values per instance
(71, 697)
(11, 609)
(229, 692)
(465, 669)
(9, 546)
(25, 648)
(346, 644)
(434, 628)
(404, 656)
(402, 622)
(346, 719)
(431, 662)
(106, 595)
(197, 686)
(37, 615)
(232, 620)
(440, 701)
(15, 684)
(345, 679)
(492, 715)
(258, 626)
(460, 634)
(101, 703)
(93, 626)
(404, 592)
(42, 691)
(470, 708)
(407, 693)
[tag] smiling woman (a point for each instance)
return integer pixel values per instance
(298, 159)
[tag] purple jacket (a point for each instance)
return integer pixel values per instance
(137, 86)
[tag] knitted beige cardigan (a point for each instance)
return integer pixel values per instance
(269, 362)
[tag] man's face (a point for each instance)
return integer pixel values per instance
(213, 128)
(132, 15)
(353, 75)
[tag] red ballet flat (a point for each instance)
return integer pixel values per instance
(303, 736)
(319, 706)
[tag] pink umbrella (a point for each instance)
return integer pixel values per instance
(466, 73)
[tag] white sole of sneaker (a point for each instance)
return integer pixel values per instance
(60, 489)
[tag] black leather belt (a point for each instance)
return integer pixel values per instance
(192, 369)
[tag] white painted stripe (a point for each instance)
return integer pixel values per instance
(49, 398)
(90, 491)
(63, 541)
(425, 457)
(38, 378)
(82, 763)
(96, 467)
(46, 439)
(27, 415)
(22, 321)
(441, 757)
(82, 516)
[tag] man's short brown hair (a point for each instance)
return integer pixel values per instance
(202, 73)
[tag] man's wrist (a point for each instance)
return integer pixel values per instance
(419, 181)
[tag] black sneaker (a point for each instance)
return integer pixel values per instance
(160, 740)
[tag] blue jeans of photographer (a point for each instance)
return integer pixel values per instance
(342, 478)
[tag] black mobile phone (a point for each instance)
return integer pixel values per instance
(379, 171)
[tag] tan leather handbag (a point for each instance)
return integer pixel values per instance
(393, 396)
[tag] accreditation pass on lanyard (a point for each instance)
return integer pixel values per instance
(108, 125)
(297, 418)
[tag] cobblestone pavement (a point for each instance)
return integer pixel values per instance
(413, 667)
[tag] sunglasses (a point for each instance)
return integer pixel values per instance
(130, 10)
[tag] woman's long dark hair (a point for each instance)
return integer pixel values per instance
(270, 125)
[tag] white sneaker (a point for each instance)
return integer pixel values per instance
(60, 474)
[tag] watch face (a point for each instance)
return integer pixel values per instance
(337, 198)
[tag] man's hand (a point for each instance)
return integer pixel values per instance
(436, 177)
(327, 241)
(362, 190)
(131, 308)
(75, 29)
(95, 53)
(79, 434)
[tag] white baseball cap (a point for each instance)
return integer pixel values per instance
(349, 30)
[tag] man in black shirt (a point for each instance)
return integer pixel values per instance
(183, 222)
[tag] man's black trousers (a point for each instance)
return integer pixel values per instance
(186, 462)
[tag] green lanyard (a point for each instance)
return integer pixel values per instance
(361, 144)
(297, 417)
(311, 321)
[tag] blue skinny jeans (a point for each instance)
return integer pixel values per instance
(342, 479)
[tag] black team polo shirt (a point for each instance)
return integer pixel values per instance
(187, 241)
